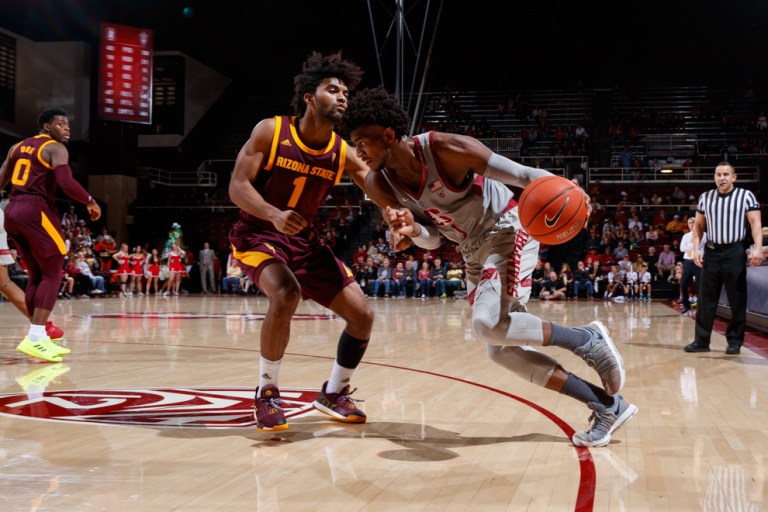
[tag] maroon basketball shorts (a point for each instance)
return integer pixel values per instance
(320, 273)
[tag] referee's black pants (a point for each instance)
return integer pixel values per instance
(723, 266)
(690, 272)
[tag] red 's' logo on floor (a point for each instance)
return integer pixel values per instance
(198, 407)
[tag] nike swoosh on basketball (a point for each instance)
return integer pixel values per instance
(551, 222)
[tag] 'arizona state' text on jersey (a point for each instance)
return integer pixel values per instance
(297, 177)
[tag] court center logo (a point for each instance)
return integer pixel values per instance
(198, 407)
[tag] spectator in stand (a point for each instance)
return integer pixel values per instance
(398, 280)
(411, 273)
(553, 288)
(231, 282)
(606, 259)
(644, 287)
(625, 264)
(675, 226)
(82, 283)
(651, 235)
(674, 279)
(67, 288)
(597, 276)
(615, 282)
(652, 260)
(634, 219)
(635, 237)
(666, 262)
(97, 282)
(454, 279)
(630, 283)
(620, 251)
(425, 280)
(360, 253)
(383, 276)
(438, 278)
(566, 276)
(660, 218)
(537, 279)
(582, 280)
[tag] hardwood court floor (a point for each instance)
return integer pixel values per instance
(151, 412)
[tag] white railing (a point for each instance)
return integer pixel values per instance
(198, 178)
(504, 145)
(666, 174)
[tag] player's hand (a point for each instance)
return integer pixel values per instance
(399, 242)
(400, 220)
(94, 210)
(289, 222)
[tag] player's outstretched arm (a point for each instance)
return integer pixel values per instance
(249, 162)
(460, 154)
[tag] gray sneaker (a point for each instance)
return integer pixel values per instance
(605, 420)
(600, 353)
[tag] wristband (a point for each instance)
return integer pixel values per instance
(423, 234)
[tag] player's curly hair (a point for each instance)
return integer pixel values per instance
(317, 68)
(378, 107)
(47, 115)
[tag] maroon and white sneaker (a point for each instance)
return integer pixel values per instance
(53, 332)
(339, 406)
(268, 410)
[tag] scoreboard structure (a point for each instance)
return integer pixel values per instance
(125, 74)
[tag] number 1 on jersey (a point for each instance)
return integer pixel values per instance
(298, 188)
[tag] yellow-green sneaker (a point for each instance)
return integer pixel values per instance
(39, 378)
(59, 350)
(41, 349)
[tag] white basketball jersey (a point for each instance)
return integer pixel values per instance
(464, 215)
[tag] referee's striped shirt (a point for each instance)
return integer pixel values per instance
(726, 214)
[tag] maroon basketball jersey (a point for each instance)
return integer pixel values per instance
(30, 173)
(297, 177)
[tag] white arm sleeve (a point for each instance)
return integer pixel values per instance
(429, 237)
(506, 171)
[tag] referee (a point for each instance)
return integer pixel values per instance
(722, 214)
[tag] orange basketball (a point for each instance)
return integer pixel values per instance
(552, 210)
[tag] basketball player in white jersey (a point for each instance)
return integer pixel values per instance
(453, 185)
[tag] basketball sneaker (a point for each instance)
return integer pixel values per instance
(600, 353)
(39, 378)
(605, 421)
(268, 410)
(53, 332)
(339, 406)
(41, 349)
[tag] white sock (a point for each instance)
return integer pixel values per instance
(340, 377)
(36, 332)
(268, 372)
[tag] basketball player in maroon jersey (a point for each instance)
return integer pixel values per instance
(282, 175)
(35, 167)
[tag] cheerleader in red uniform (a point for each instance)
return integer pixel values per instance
(175, 269)
(123, 257)
(137, 269)
(153, 270)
